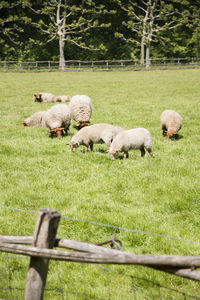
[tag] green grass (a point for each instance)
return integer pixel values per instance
(159, 195)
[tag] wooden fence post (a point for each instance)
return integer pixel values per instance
(44, 237)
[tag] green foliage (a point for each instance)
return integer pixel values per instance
(112, 23)
(159, 195)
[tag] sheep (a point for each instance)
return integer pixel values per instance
(94, 134)
(57, 119)
(44, 97)
(37, 119)
(171, 123)
(81, 109)
(137, 138)
(62, 99)
(48, 97)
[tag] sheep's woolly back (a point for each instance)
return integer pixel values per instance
(80, 108)
(171, 121)
(37, 119)
(97, 133)
(58, 116)
(131, 139)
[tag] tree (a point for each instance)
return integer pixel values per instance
(148, 21)
(67, 22)
(10, 27)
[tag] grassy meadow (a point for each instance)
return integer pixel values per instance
(159, 195)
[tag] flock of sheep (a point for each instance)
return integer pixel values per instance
(58, 118)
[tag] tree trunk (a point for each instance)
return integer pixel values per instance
(142, 52)
(148, 62)
(61, 51)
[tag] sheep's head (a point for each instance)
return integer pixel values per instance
(73, 145)
(37, 97)
(170, 134)
(113, 153)
(58, 99)
(57, 131)
(83, 124)
(24, 123)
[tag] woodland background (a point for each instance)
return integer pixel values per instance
(94, 30)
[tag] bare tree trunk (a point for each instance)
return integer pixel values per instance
(142, 52)
(61, 51)
(148, 62)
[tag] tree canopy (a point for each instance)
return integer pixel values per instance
(88, 30)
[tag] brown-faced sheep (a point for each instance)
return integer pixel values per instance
(37, 119)
(58, 119)
(48, 97)
(171, 123)
(81, 109)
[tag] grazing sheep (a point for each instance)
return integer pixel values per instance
(37, 119)
(138, 138)
(94, 134)
(81, 109)
(57, 119)
(171, 123)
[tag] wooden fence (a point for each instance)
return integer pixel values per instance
(44, 239)
(100, 65)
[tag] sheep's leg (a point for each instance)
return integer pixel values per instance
(142, 151)
(126, 154)
(91, 146)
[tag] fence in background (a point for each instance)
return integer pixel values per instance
(99, 65)
(45, 238)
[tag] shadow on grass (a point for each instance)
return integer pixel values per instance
(177, 137)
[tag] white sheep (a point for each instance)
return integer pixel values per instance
(81, 109)
(137, 138)
(37, 119)
(94, 134)
(171, 123)
(62, 99)
(44, 97)
(57, 119)
(48, 97)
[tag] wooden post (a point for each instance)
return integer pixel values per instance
(44, 237)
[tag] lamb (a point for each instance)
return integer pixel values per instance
(58, 119)
(48, 97)
(81, 109)
(171, 123)
(62, 99)
(137, 138)
(37, 119)
(94, 134)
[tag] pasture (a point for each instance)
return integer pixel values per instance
(159, 195)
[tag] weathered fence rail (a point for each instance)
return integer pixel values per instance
(44, 239)
(98, 65)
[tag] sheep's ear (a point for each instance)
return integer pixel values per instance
(68, 144)
(107, 151)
